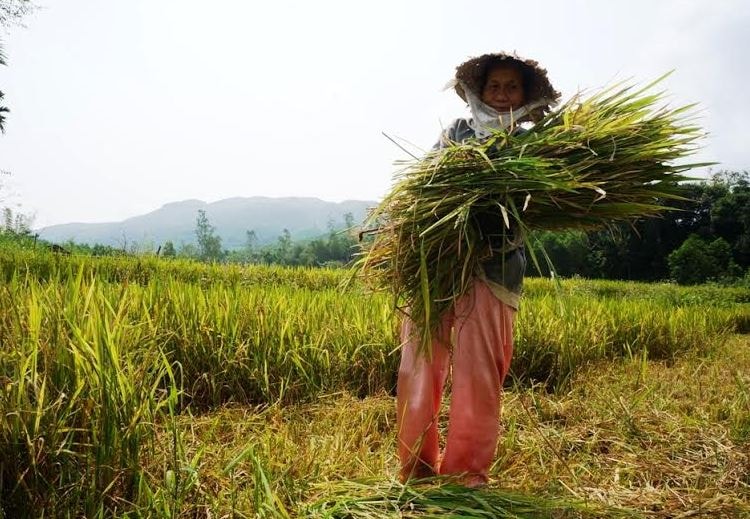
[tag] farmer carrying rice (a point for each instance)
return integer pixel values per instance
(475, 336)
(448, 239)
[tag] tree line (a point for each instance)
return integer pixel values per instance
(705, 238)
(336, 248)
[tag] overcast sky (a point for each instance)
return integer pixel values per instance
(120, 106)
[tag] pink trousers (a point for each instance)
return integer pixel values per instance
(480, 329)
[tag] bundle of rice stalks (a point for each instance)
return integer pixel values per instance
(610, 157)
(374, 500)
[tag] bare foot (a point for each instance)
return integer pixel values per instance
(468, 479)
(473, 480)
(418, 471)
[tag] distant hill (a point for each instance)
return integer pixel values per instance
(232, 218)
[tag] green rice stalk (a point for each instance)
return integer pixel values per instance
(614, 156)
(380, 500)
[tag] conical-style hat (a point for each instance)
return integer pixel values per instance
(472, 73)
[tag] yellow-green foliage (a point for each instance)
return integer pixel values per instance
(124, 269)
(94, 352)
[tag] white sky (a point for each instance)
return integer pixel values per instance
(120, 106)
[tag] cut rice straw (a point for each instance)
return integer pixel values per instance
(611, 157)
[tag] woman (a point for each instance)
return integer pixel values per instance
(475, 338)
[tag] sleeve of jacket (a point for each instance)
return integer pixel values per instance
(458, 131)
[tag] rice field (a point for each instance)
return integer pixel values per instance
(152, 388)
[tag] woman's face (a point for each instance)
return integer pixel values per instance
(503, 90)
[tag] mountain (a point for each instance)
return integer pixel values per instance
(231, 217)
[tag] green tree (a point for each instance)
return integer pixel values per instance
(251, 240)
(698, 261)
(691, 262)
(341, 243)
(251, 243)
(730, 213)
(283, 254)
(349, 221)
(168, 251)
(209, 244)
(7, 219)
(15, 223)
(568, 251)
(639, 250)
